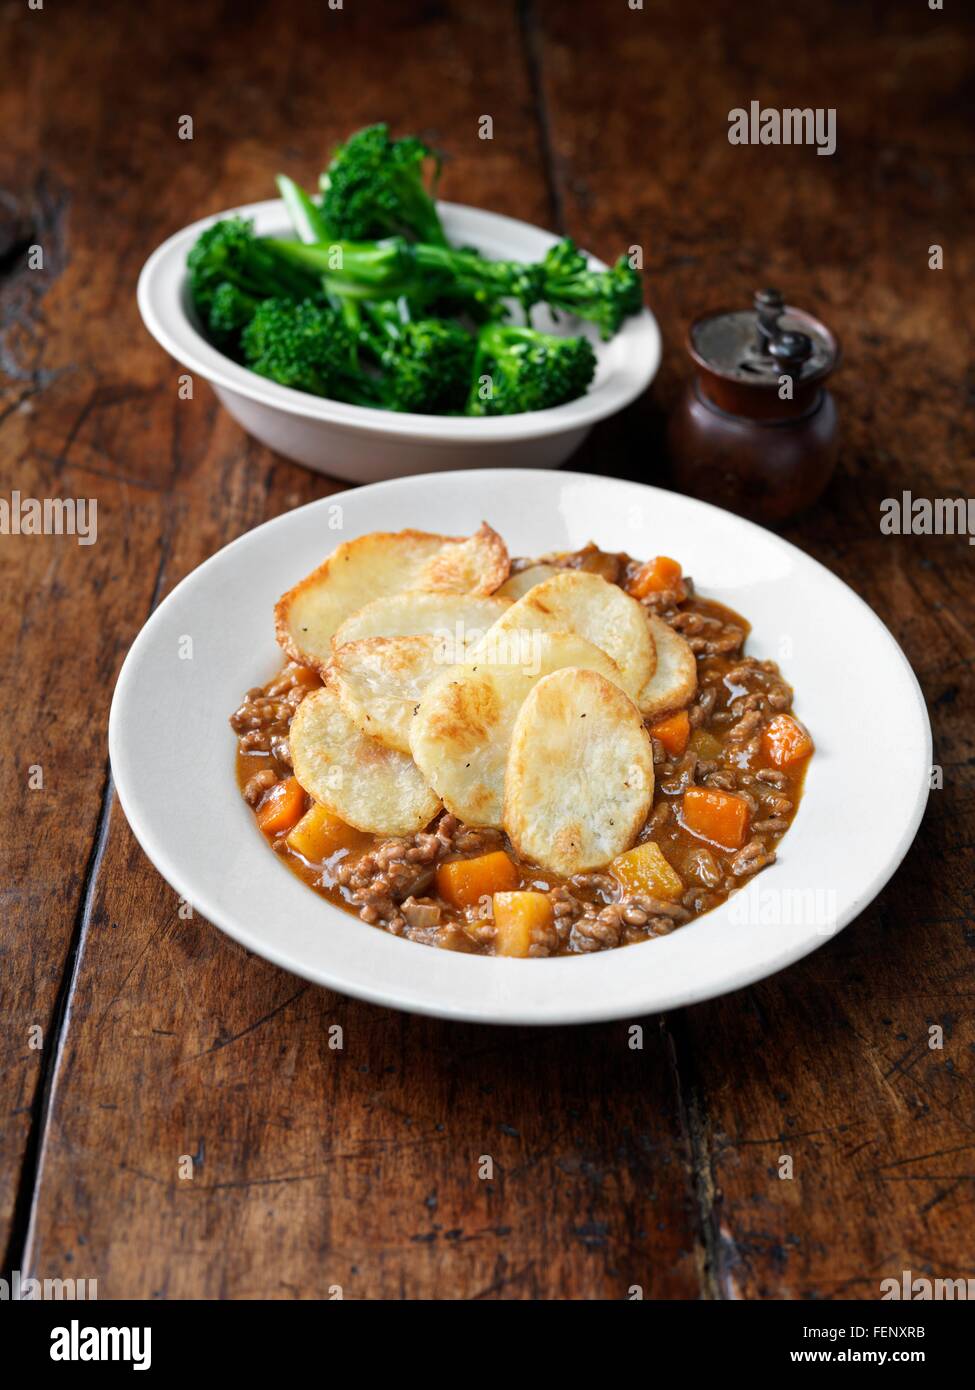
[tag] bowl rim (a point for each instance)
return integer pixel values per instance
(160, 295)
(489, 1001)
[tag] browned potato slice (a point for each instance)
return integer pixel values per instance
(574, 601)
(519, 584)
(675, 679)
(462, 730)
(465, 617)
(478, 565)
(380, 563)
(380, 681)
(357, 778)
(579, 781)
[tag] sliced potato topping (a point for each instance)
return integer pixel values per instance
(526, 579)
(675, 679)
(380, 563)
(574, 601)
(356, 777)
(579, 781)
(462, 730)
(440, 689)
(380, 681)
(464, 617)
(477, 565)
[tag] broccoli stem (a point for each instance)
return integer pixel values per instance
(306, 218)
(385, 321)
(395, 267)
(268, 274)
(359, 270)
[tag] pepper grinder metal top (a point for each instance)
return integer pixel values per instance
(756, 430)
(753, 348)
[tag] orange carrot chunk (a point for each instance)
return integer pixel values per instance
(464, 882)
(655, 577)
(282, 807)
(319, 835)
(516, 915)
(785, 741)
(673, 732)
(720, 817)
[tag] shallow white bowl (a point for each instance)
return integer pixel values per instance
(362, 445)
(865, 791)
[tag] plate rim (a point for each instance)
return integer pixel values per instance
(487, 1010)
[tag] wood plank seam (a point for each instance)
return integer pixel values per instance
(694, 1126)
(528, 25)
(18, 1245)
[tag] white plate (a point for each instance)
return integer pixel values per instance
(173, 752)
(362, 445)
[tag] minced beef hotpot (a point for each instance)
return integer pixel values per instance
(728, 775)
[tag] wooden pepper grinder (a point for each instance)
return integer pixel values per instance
(756, 430)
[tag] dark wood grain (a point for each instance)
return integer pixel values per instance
(358, 1167)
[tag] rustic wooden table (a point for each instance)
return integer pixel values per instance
(132, 1037)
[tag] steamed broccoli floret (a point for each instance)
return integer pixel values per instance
(426, 363)
(527, 370)
(231, 310)
(308, 347)
(371, 317)
(230, 253)
(603, 297)
(374, 187)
